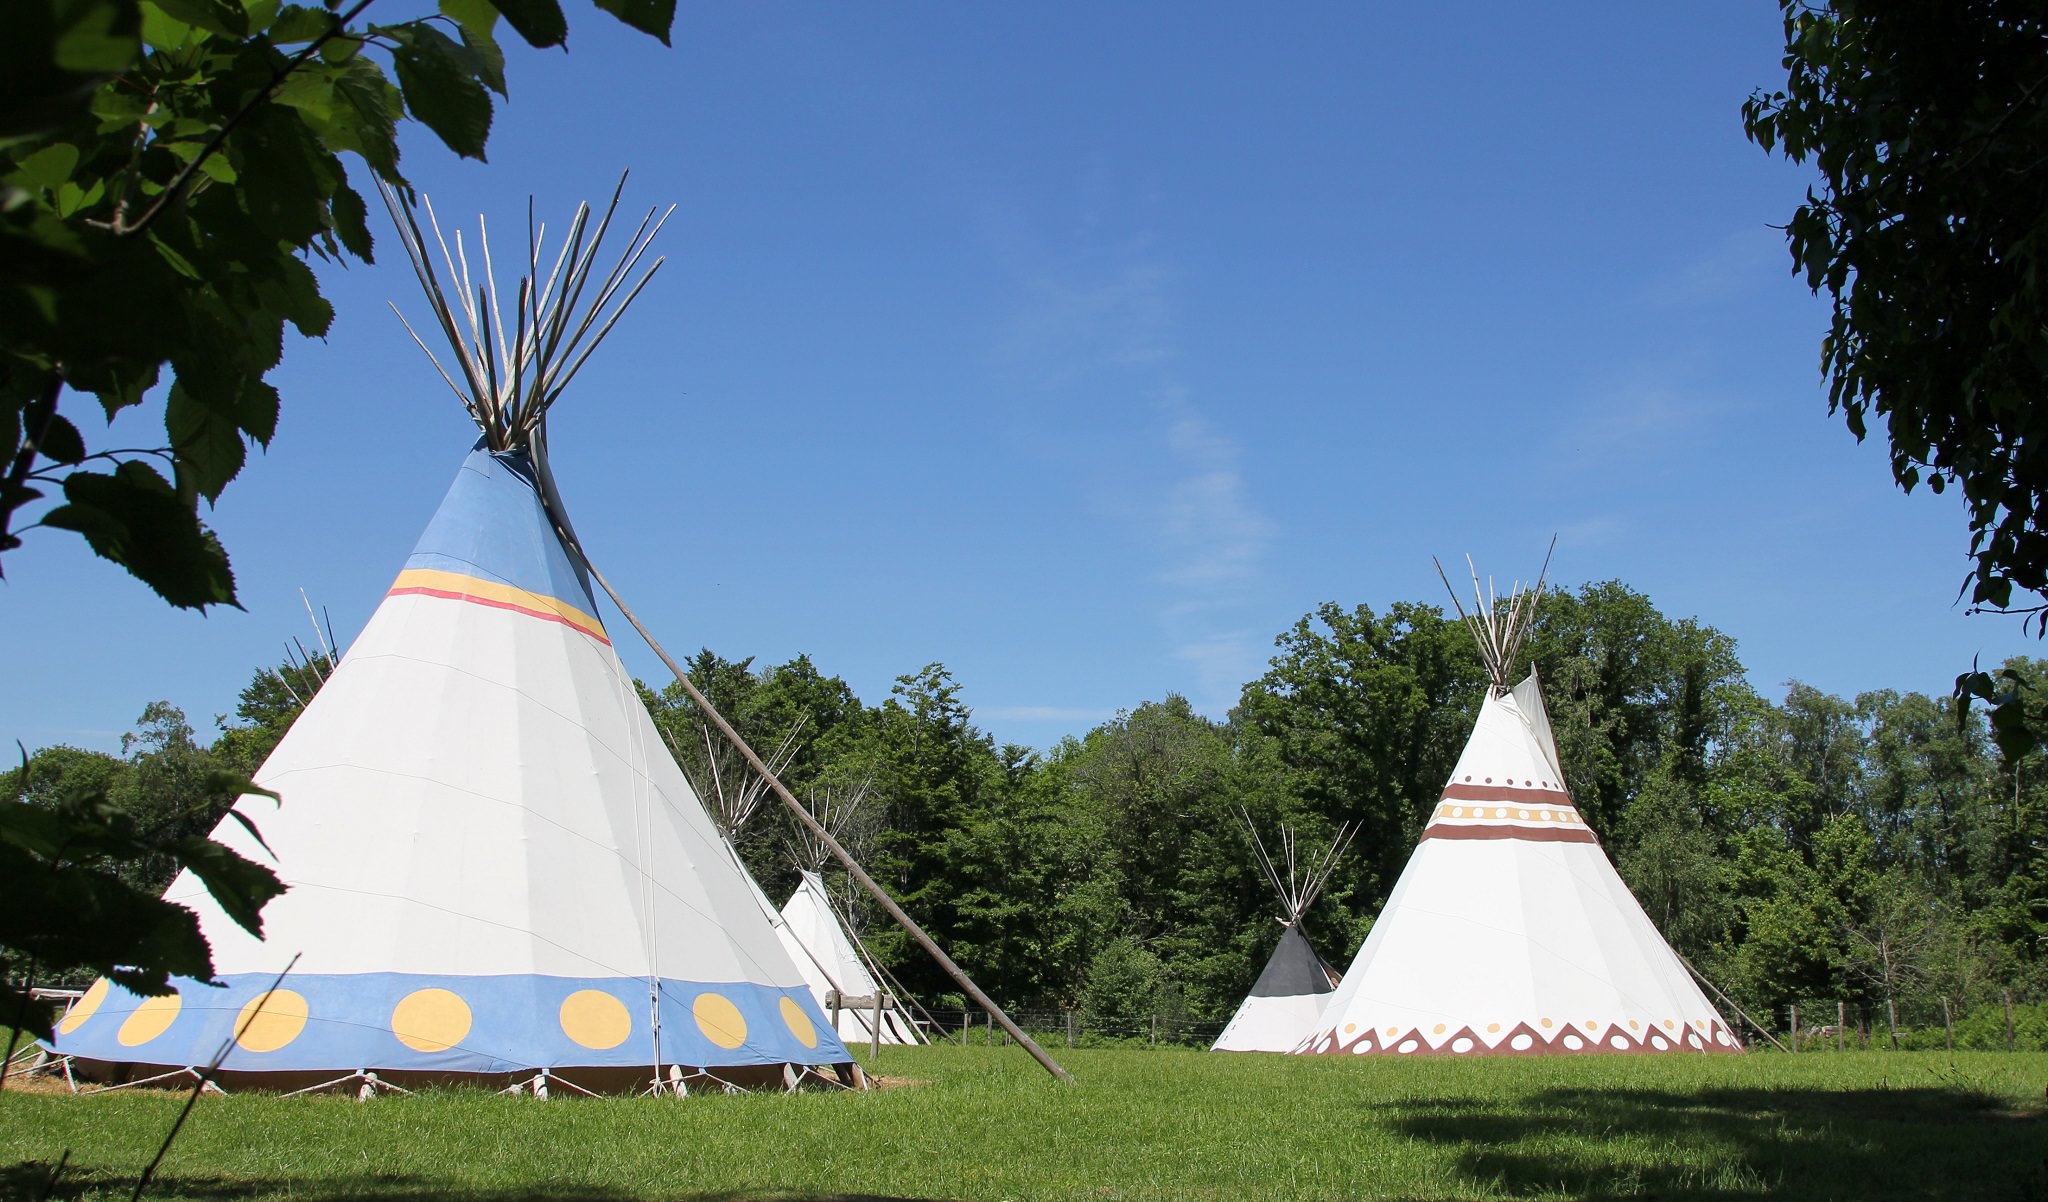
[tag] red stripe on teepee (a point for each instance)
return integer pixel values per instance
(1532, 834)
(507, 605)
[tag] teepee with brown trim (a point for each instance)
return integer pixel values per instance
(1509, 932)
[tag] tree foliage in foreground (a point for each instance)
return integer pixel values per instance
(167, 167)
(89, 842)
(1928, 231)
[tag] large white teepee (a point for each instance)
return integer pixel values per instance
(1509, 930)
(495, 868)
(1289, 995)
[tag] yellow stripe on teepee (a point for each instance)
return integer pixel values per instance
(469, 588)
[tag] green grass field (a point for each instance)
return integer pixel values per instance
(981, 1123)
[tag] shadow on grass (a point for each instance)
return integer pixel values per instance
(1720, 1144)
(30, 1182)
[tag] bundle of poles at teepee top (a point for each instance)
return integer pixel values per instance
(1499, 625)
(1280, 1011)
(511, 377)
(1304, 878)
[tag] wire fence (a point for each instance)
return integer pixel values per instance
(1922, 1024)
(1071, 1028)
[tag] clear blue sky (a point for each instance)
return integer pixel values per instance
(1084, 348)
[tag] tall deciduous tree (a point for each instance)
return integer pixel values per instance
(1928, 231)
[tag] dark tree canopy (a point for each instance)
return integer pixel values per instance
(1928, 230)
(167, 168)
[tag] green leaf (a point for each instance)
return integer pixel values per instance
(260, 14)
(206, 438)
(61, 441)
(135, 519)
(53, 56)
(479, 15)
(478, 21)
(352, 223)
(223, 17)
(297, 24)
(93, 37)
(164, 33)
(48, 167)
(340, 50)
(440, 89)
(257, 410)
(240, 886)
(371, 107)
(540, 22)
(648, 16)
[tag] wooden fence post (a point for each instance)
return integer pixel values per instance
(1841, 1025)
(2008, 1021)
(1891, 1014)
(1795, 1027)
(1948, 1025)
(1070, 1028)
(966, 1023)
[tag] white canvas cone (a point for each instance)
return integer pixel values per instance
(1509, 930)
(494, 866)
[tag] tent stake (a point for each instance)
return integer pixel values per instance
(803, 817)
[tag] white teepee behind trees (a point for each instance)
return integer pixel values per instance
(496, 871)
(1509, 931)
(835, 959)
(828, 957)
(1288, 997)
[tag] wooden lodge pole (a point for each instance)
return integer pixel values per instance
(809, 823)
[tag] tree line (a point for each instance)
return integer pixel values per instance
(1877, 851)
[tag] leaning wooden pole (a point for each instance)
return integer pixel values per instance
(810, 824)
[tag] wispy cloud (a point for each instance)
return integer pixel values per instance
(1214, 540)
(1738, 264)
(1068, 327)
(1624, 430)
(1097, 319)
(1216, 534)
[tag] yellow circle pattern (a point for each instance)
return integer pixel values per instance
(151, 1019)
(799, 1023)
(271, 1020)
(85, 1007)
(720, 1020)
(595, 1019)
(430, 1020)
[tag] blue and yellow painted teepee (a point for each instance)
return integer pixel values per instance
(495, 870)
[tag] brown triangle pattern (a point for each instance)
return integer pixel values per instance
(1525, 1040)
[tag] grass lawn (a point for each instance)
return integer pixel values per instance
(983, 1123)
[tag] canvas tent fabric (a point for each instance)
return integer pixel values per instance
(825, 955)
(494, 866)
(1509, 931)
(1285, 1001)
